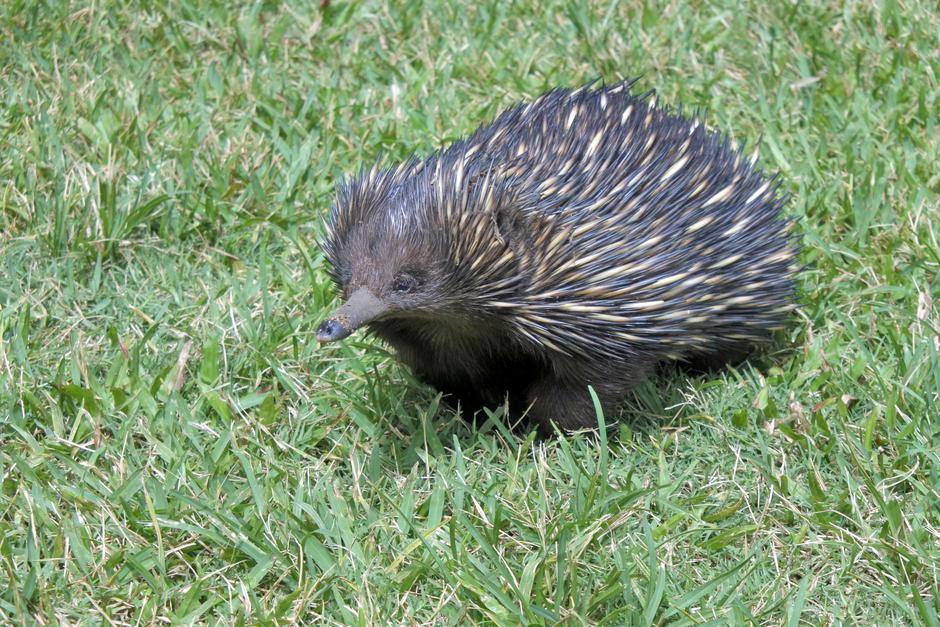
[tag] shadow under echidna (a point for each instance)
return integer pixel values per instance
(576, 241)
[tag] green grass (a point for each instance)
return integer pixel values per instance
(176, 447)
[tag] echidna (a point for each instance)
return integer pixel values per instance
(575, 241)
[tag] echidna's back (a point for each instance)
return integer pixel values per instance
(674, 239)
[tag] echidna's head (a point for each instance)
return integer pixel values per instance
(421, 240)
(382, 272)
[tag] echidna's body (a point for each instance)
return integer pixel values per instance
(577, 240)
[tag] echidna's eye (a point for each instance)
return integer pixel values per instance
(404, 283)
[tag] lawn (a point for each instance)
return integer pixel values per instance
(175, 447)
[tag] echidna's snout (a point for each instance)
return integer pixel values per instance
(331, 330)
(361, 308)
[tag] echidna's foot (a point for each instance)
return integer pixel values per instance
(713, 361)
(569, 405)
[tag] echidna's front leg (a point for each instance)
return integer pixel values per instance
(569, 405)
(566, 401)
